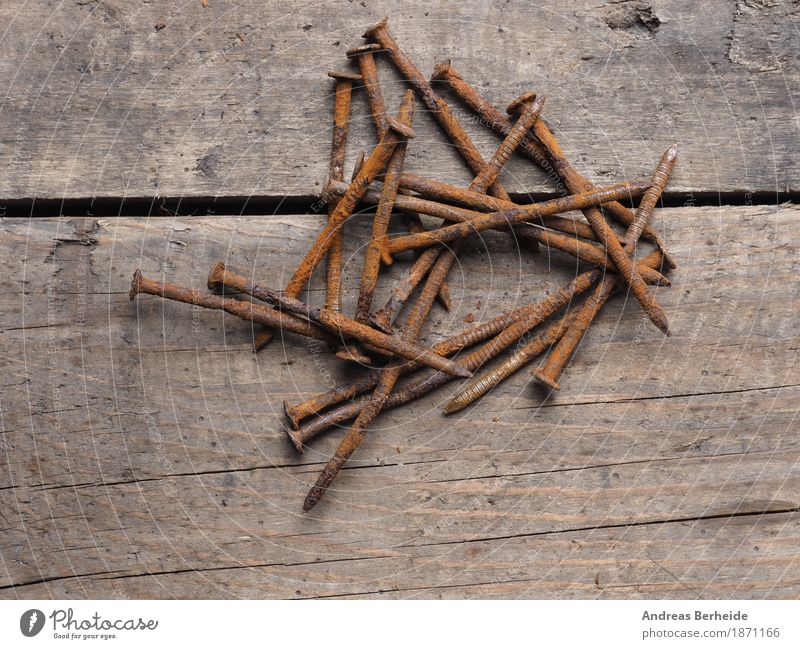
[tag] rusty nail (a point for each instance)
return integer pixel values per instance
(477, 387)
(435, 104)
(529, 107)
(372, 166)
(341, 115)
(572, 179)
(650, 198)
(353, 353)
(531, 314)
(380, 223)
(389, 375)
(627, 269)
(558, 357)
(438, 107)
(486, 111)
(438, 191)
(333, 321)
(419, 387)
(570, 244)
(363, 54)
(520, 214)
(549, 373)
(384, 319)
(246, 310)
(333, 271)
(414, 225)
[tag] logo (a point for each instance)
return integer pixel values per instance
(31, 622)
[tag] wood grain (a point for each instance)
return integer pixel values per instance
(232, 99)
(142, 452)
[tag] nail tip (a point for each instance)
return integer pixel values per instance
(261, 340)
(312, 499)
(672, 152)
(669, 260)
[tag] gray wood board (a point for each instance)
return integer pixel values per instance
(143, 455)
(233, 100)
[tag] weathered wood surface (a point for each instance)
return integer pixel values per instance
(142, 451)
(139, 99)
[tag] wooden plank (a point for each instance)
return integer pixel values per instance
(232, 99)
(142, 443)
(739, 558)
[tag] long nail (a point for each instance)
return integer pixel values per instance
(477, 387)
(529, 107)
(572, 179)
(430, 380)
(352, 353)
(571, 245)
(486, 111)
(437, 191)
(376, 246)
(650, 198)
(627, 269)
(380, 222)
(443, 192)
(571, 174)
(438, 107)
(389, 375)
(518, 215)
(425, 383)
(372, 166)
(584, 316)
(341, 118)
(333, 270)
(246, 310)
(363, 54)
(606, 235)
(482, 384)
(334, 322)
(532, 314)
(414, 225)
(549, 373)
(402, 290)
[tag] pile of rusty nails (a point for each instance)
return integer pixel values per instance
(483, 205)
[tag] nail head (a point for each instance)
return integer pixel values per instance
(368, 48)
(398, 127)
(379, 26)
(345, 76)
(515, 106)
(216, 277)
